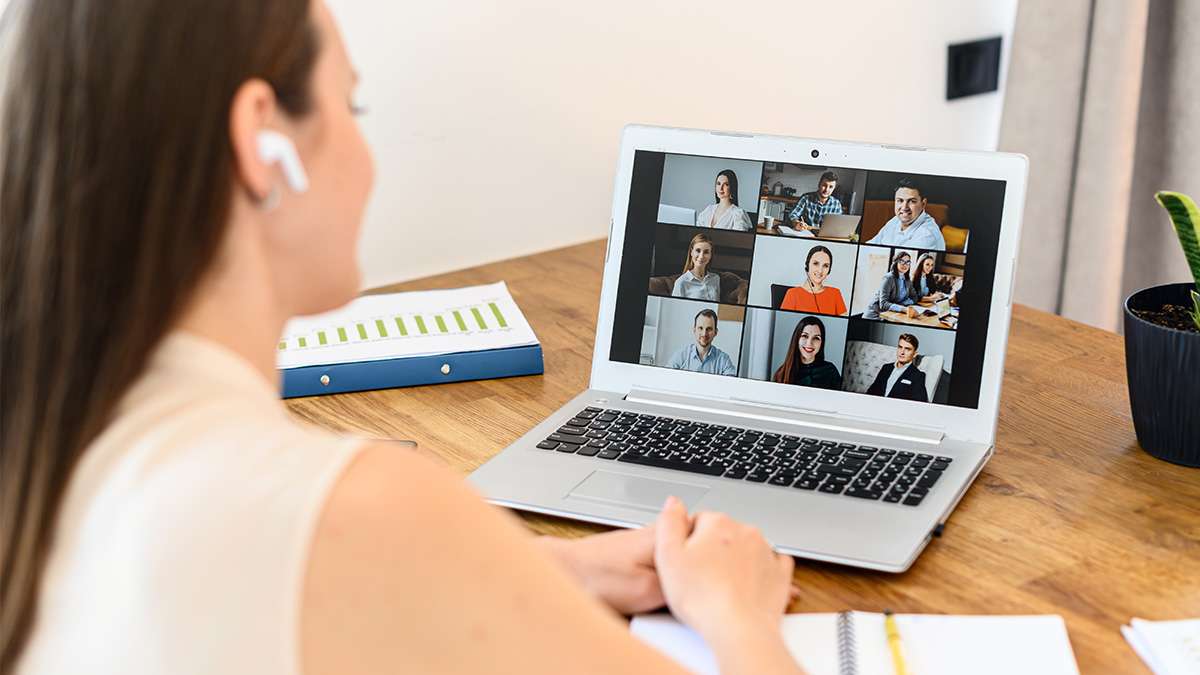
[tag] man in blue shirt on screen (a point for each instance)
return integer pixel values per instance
(701, 356)
(912, 227)
(813, 206)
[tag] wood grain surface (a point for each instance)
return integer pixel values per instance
(1070, 517)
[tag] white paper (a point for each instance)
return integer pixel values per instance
(933, 644)
(1167, 647)
(397, 325)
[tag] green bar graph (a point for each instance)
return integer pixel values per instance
(478, 318)
(463, 320)
(499, 316)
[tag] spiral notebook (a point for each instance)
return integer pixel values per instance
(850, 643)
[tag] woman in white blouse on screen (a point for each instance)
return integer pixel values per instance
(697, 282)
(725, 214)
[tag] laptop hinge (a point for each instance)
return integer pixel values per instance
(805, 418)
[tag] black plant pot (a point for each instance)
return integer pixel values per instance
(1163, 368)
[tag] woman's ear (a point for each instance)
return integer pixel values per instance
(252, 109)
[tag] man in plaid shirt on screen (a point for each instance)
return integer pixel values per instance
(812, 207)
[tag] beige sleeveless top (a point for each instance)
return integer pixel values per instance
(182, 542)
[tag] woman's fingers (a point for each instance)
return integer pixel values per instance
(671, 528)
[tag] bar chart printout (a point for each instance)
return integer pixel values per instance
(398, 325)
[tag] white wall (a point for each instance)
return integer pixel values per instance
(495, 123)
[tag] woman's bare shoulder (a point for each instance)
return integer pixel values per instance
(410, 569)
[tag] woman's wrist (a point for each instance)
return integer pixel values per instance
(751, 647)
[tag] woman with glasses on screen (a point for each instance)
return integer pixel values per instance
(804, 363)
(895, 293)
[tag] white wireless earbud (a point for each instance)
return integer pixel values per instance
(275, 147)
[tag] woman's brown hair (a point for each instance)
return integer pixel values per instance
(116, 176)
(698, 239)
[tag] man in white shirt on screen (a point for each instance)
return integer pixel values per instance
(912, 226)
(701, 356)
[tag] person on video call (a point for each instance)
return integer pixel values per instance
(805, 362)
(902, 379)
(895, 293)
(697, 282)
(813, 295)
(923, 288)
(912, 225)
(701, 356)
(813, 206)
(725, 214)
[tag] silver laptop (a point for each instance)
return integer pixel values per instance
(838, 226)
(844, 439)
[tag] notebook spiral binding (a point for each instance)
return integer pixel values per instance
(847, 650)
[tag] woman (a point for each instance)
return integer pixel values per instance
(813, 295)
(697, 282)
(805, 362)
(725, 214)
(922, 280)
(895, 293)
(160, 509)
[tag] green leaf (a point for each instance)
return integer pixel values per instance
(1196, 309)
(1186, 218)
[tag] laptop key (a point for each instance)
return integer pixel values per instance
(572, 431)
(892, 498)
(807, 483)
(564, 438)
(831, 488)
(587, 450)
(863, 493)
(781, 479)
(912, 501)
(758, 476)
(548, 445)
(939, 465)
(608, 454)
(567, 447)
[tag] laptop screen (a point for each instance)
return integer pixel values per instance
(870, 282)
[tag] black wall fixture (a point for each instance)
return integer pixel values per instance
(972, 68)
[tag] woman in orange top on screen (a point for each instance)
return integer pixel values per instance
(813, 295)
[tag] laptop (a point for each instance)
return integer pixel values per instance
(838, 226)
(734, 407)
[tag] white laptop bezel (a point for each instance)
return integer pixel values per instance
(974, 425)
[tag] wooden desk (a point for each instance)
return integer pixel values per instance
(1069, 517)
(928, 320)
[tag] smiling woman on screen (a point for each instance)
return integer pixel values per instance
(724, 213)
(177, 179)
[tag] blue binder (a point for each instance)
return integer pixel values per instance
(412, 371)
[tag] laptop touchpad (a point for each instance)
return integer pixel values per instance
(647, 494)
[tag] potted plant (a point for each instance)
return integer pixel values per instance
(1162, 350)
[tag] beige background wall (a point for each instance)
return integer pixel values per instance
(495, 123)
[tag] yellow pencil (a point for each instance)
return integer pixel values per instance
(893, 637)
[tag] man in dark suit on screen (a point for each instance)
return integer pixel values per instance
(902, 379)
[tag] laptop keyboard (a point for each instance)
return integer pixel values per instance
(861, 471)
